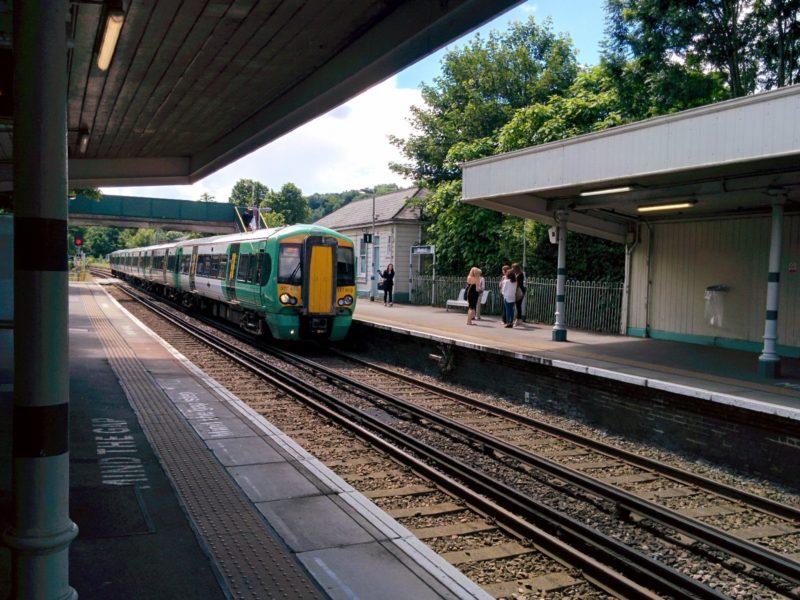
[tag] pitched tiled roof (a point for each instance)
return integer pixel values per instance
(389, 207)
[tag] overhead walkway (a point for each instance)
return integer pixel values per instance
(157, 213)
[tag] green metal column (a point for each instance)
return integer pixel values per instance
(560, 329)
(41, 530)
(769, 363)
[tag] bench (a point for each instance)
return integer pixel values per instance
(461, 303)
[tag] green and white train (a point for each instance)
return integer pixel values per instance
(293, 283)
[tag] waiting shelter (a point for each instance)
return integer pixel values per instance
(707, 203)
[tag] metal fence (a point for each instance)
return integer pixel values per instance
(590, 305)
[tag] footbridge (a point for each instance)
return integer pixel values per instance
(158, 213)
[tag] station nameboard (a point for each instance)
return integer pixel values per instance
(423, 249)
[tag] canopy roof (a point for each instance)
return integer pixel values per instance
(193, 86)
(731, 158)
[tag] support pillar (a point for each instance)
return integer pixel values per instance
(560, 329)
(769, 363)
(41, 529)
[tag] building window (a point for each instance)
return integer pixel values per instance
(362, 259)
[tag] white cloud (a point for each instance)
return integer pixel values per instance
(347, 148)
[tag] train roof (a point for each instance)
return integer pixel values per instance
(249, 236)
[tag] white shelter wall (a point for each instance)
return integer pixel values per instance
(689, 257)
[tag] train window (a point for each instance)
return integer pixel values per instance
(223, 266)
(186, 263)
(244, 267)
(203, 265)
(290, 264)
(213, 270)
(345, 266)
(172, 262)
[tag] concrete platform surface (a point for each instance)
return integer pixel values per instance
(705, 372)
(180, 490)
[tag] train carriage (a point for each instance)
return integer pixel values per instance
(294, 283)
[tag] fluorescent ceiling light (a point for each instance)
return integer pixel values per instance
(114, 20)
(83, 141)
(672, 206)
(617, 190)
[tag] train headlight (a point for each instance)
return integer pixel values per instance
(287, 299)
(346, 301)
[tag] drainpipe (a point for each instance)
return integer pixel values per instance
(649, 287)
(41, 530)
(769, 363)
(560, 329)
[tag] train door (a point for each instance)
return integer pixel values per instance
(319, 291)
(192, 269)
(229, 287)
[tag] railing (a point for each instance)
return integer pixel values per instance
(590, 305)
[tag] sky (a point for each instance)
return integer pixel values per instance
(348, 147)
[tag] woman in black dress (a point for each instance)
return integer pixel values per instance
(520, 292)
(388, 284)
(473, 292)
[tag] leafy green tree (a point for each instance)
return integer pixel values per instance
(778, 21)
(288, 202)
(668, 56)
(100, 241)
(206, 197)
(136, 238)
(248, 192)
(480, 88)
(591, 104)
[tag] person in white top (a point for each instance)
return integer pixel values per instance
(504, 269)
(509, 298)
(482, 287)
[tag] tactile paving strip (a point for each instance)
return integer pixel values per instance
(250, 560)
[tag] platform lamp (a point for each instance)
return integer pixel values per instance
(114, 18)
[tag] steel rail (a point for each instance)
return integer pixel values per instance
(751, 553)
(639, 568)
(765, 504)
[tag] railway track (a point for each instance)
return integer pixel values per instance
(647, 543)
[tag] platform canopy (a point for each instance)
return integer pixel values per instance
(726, 159)
(193, 86)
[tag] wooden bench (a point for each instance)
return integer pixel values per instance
(461, 303)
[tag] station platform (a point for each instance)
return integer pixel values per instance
(180, 490)
(702, 372)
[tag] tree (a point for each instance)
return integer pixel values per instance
(779, 42)
(478, 92)
(680, 52)
(100, 241)
(288, 202)
(206, 197)
(248, 192)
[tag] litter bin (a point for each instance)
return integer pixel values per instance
(715, 305)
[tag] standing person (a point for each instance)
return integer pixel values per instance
(481, 287)
(388, 284)
(504, 269)
(509, 298)
(473, 292)
(520, 276)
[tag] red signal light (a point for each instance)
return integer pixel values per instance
(78, 242)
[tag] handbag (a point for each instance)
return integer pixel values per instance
(519, 294)
(381, 284)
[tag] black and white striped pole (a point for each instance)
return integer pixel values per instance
(560, 329)
(769, 363)
(41, 529)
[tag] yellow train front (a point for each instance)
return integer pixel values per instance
(292, 283)
(312, 294)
